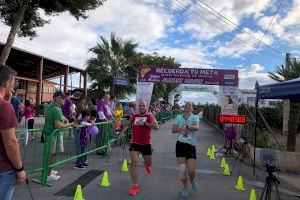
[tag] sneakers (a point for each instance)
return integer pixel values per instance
(54, 172)
(184, 192)
(195, 186)
(79, 167)
(133, 190)
(53, 177)
(85, 164)
(148, 169)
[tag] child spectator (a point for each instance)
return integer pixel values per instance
(118, 114)
(81, 140)
(29, 117)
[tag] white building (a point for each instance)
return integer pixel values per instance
(249, 97)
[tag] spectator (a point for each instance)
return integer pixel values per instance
(54, 119)
(94, 104)
(129, 110)
(81, 107)
(112, 104)
(16, 103)
(118, 114)
(103, 108)
(29, 117)
(104, 114)
(67, 107)
(11, 166)
(81, 139)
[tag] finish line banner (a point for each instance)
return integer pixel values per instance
(188, 76)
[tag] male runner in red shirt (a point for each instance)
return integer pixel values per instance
(142, 124)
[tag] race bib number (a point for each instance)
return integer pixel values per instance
(140, 120)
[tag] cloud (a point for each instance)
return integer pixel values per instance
(64, 39)
(235, 10)
(248, 76)
(242, 44)
(286, 25)
(142, 21)
(195, 55)
(67, 40)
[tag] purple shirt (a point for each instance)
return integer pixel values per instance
(28, 112)
(103, 109)
(84, 135)
(66, 108)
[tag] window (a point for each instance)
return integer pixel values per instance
(250, 99)
(262, 101)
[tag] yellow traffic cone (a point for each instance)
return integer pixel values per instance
(124, 166)
(105, 181)
(213, 148)
(212, 156)
(252, 195)
(78, 194)
(223, 162)
(208, 151)
(240, 184)
(226, 170)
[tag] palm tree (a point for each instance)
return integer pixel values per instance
(114, 58)
(284, 73)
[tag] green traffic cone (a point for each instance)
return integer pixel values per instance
(226, 171)
(208, 151)
(240, 184)
(252, 195)
(78, 194)
(124, 166)
(223, 162)
(105, 181)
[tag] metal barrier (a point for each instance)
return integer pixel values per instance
(65, 143)
(31, 149)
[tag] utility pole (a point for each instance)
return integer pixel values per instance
(286, 102)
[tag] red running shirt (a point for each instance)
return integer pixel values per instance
(141, 134)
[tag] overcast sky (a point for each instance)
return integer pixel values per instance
(184, 29)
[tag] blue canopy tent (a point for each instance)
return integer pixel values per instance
(281, 90)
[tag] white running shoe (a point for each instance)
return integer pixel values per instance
(54, 172)
(53, 177)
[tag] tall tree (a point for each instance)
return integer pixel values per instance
(23, 16)
(113, 58)
(160, 90)
(281, 74)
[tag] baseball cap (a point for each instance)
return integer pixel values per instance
(59, 94)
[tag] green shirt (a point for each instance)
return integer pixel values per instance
(52, 114)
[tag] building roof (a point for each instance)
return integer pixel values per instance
(24, 62)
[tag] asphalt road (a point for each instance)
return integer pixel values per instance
(163, 183)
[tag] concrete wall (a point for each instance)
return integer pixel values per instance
(287, 161)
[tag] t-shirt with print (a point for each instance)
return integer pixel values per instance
(8, 120)
(188, 137)
(52, 114)
(140, 133)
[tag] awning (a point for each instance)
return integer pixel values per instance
(281, 90)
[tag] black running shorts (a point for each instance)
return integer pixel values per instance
(185, 150)
(143, 149)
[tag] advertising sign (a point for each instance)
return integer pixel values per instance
(188, 76)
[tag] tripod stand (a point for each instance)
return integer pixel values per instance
(270, 181)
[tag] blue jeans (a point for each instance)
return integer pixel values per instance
(79, 149)
(81, 159)
(7, 184)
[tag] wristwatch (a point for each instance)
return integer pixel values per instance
(19, 170)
